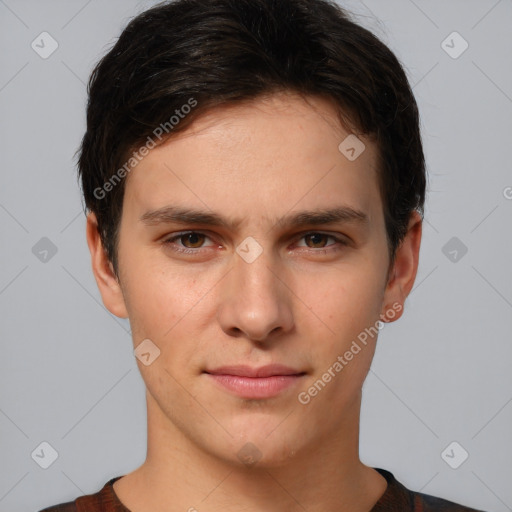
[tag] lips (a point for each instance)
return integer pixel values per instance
(255, 383)
(263, 371)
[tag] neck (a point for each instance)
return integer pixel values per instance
(184, 474)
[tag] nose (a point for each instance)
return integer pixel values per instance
(255, 301)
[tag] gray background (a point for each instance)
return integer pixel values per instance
(441, 374)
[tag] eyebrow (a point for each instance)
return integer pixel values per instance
(317, 217)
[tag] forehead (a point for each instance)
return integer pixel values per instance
(260, 159)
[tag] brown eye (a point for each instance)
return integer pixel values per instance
(316, 239)
(190, 242)
(318, 243)
(194, 239)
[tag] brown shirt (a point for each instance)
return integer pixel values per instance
(396, 499)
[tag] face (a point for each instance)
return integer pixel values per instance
(288, 265)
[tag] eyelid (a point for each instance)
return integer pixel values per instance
(177, 236)
(340, 240)
(328, 235)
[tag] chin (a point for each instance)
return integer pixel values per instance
(257, 447)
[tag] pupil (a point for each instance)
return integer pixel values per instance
(191, 237)
(316, 236)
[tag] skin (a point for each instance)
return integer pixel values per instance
(300, 303)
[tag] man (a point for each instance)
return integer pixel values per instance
(255, 181)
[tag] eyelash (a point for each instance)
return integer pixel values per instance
(170, 241)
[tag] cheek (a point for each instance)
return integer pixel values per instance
(164, 307)
(346, 306)
(342, 354)
(152, 309)
(343, 301)
(170, 305)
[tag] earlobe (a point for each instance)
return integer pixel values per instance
(403, 273)
(107, 282)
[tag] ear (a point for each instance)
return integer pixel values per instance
(403, 272)
(103, 271)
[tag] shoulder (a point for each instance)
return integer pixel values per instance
(398, 497)
(70, 506)
(427, 503)
(104, 500)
